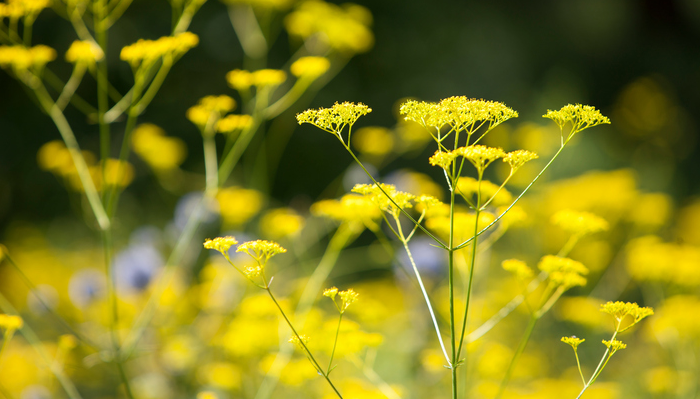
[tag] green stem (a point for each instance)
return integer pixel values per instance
(463, 244)
(516, 356)
(210, 165)
(303, 345)
(601, 365)
(451, 253)
(72, 144)
(335, 343)
(69, 89)
(471, 277)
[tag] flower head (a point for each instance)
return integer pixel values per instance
(518, 158)
(333, 120)
(310, 67)
(579, 222)
(261, 250)
(386, 197)
(84, 52)
(619, 310)
(221, 244)
(614, 346)
(330, 292)
(573, 341)
(11, 322)
(518, 268)
(580, 117)
(480, 156)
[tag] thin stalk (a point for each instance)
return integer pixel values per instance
(375, 378)
(472, 265)
(463, 244)
(427, 301)
(303, 345)
(342, 237)
(516, 356)
(38, 346)
(72, 144)
(451, 253)
(437, 240)
(69, 89)
(335, 343)
(33, 289)
(601, 365)
(210, 165)
(99, 12)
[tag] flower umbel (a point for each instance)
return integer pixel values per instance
(261, 250)
(333, 120)
(347, 297)
(221, 244)
(573, 341)
(580, 117)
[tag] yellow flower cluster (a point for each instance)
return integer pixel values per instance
(238, 205)
(261, 250)
(573, 341)
(676, 319)
(518, 158)
(144, 53)
(84, 52)
(350, 208)
(210, 109)
(373, 140)
(579, 222)
(14, 9)
(518, 268)
(399, 199)
(242, 80)
(460, 112)
(56, 158)
(580, 117)
(333, 120)
(21, 58)
(310, 67)
(342, 28)
(620, 310)
(11, 322)
(281, 223)
(480, 156)
(221, 244)
(347, 297)
(651, 259)
(158, 150)
(563, 272)
(614, 346)
(234, 123)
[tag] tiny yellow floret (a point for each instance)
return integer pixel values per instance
(11, 322)
(310, 67)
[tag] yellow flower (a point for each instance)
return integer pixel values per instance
(344, 29)
(579, 222)
(268, 77)
(350, 208)
(238, 205)
(210, 109)
(239, 79)
(84, 52)
(333, 120)
(310, 67)
(469, 187)
(158, 150)
(443, 159)
(11, 322)
(374, 141)
(221, 244)
(281, 223)
(518, 158)
(399, 199)
(563, 272)
(480, 156)
(234, 123)
(464, 113)
(518, 268)
(261, 250)
(614, 345)
(146, 52)
(573, 341)
(21, 58)
(580, 117)
(263, 4)
(619, 310)
(330, 292)
(427, 114)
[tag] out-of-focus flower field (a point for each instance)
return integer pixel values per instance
(171, 226)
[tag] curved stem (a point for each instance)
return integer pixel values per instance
(335, 343)
(463, 244)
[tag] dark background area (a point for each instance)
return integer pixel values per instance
(533, 56)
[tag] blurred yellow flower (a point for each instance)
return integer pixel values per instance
(310, 67)
(158, 150)
(238, 205)
(281, 223)
(84, 52)
(373, 141)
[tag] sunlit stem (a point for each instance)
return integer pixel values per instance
(601, 365)
(427, 299)
(467, 241)
(302, 344)
(578, 363)
(437, 240)
(335, 343)
(69, 89)
(72, 144)
(516, 356)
